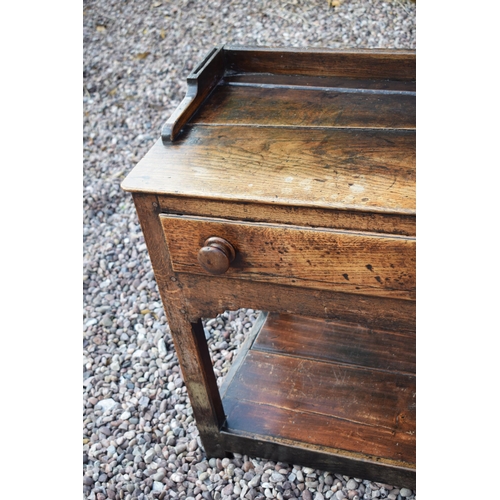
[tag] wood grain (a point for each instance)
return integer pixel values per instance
(352, 63)
(206, 296)
(351, 170)
(250, 418)
(366, 264)
(367, 397)
(289, 107)
(338, 342)
(188, 337)
(319, 81)
(399, 224)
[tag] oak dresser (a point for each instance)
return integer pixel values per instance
(285, 182)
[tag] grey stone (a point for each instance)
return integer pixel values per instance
(276, 477)
(158, 476)
(255, 481)
(87, 480)
(352, 484)
(148, 457)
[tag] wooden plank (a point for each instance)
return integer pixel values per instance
(372, 171)
(340, 342)
(322, 259)
(352, 63)
(320, 81)
(399, 224)
(338, 435)
(288, 107)
(371, 398)
(208, 295)
(339, 461)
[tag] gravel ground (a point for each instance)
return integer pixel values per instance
(139, 436)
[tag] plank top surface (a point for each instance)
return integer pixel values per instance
(339, 142)
(369, 170)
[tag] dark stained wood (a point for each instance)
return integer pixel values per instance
(290, 451)
(288, 107)
(371, 171)
(303, 428)
(369, 311)
(373, 411)
(337, 342)
(319, 82)
(399, 224)
(200, 83)
(286, 388)
(361, 63)
(367, 264)
(227, 61)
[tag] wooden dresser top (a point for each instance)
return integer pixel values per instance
(304, 128)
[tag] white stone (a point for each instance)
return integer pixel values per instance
(162, 348)
(106, 404)
(157, 486)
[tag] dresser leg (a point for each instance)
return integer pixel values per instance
(189, 338)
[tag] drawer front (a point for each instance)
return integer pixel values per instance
(323, 259)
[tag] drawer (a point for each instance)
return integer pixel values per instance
(322, 259)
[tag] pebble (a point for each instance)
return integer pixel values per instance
(352, 484)
(177, 478)
(255, 481)
(157, 486)
(306, 495)
(137, 419)
(106, 404)
(148, 457)
(228, 490)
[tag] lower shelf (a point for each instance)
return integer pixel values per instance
(342, 389)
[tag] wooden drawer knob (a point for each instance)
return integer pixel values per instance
(216, 256)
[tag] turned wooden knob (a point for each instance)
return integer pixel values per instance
(216, 256)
